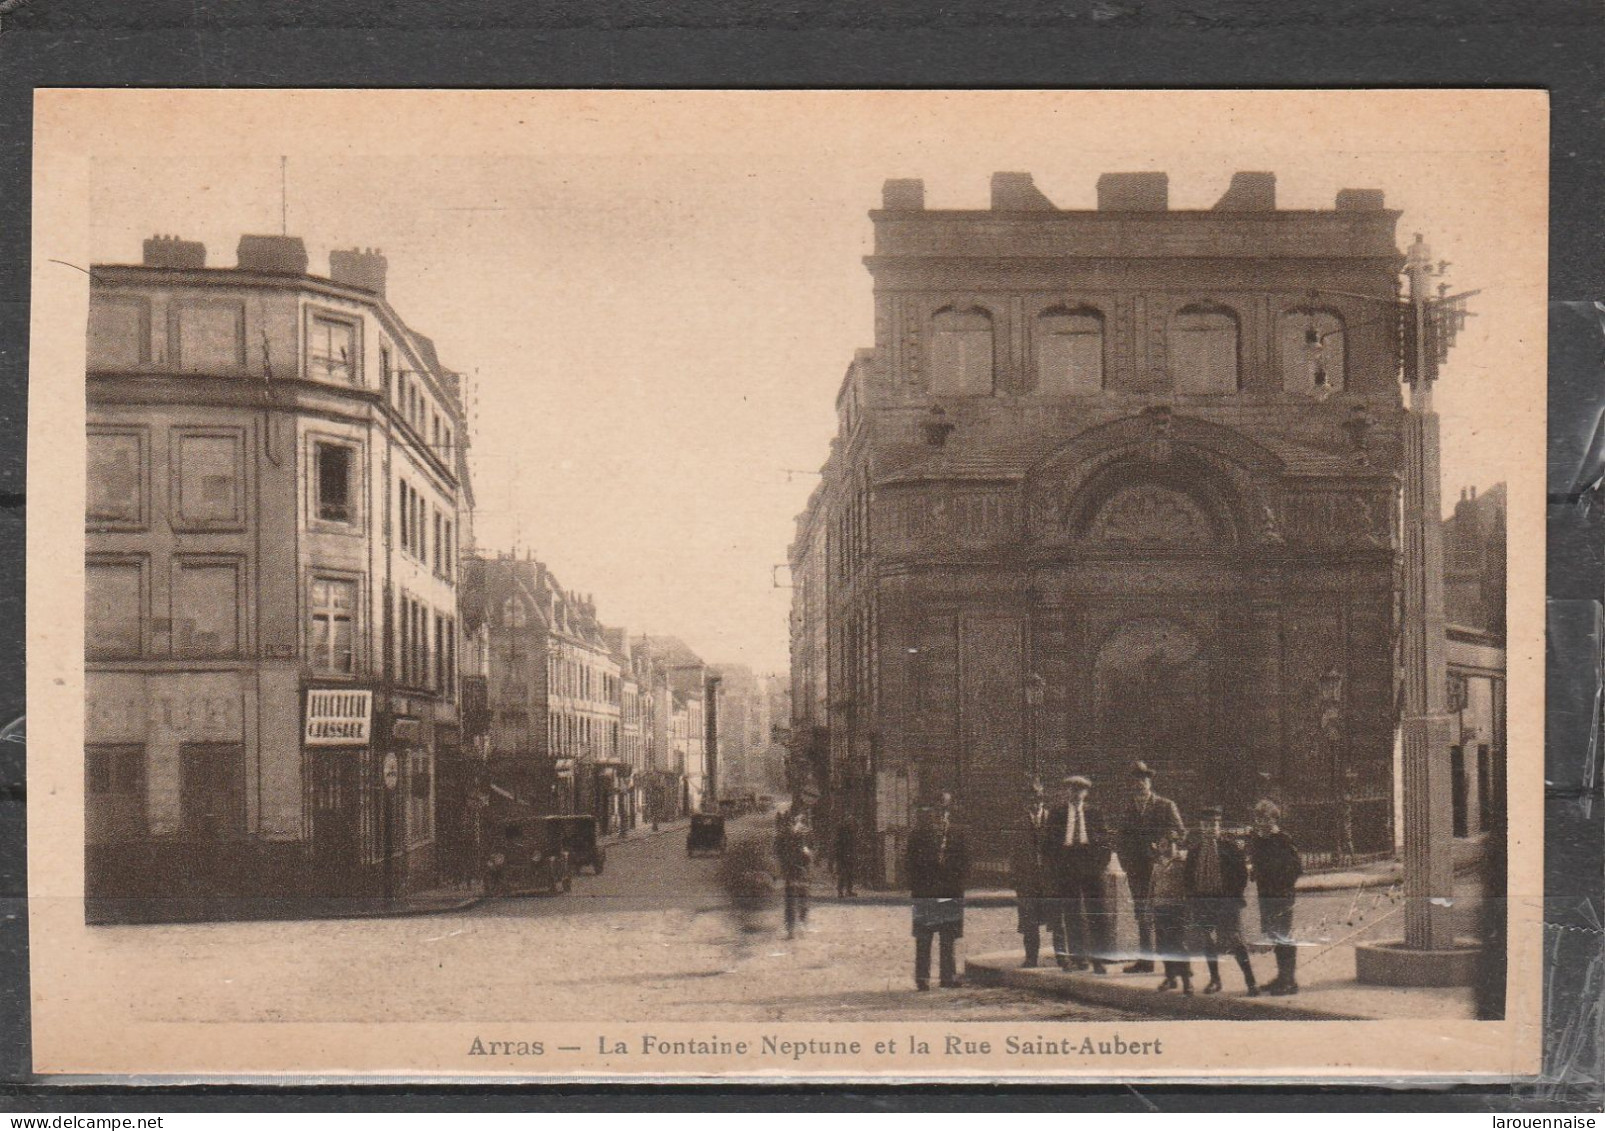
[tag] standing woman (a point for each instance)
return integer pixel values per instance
(1277, 867)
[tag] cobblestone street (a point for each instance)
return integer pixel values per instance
(647, 940)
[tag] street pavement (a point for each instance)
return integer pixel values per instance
(648, 940)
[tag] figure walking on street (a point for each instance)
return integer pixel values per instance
(795, 855)
(1146, 822)
(1216, 874)
(1077, 850)
(846, 855)
(1277, 866)
(1028, 873)
(938, 864)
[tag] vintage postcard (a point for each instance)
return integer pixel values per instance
(779, 585)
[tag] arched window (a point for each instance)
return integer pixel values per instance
(961, 353)
(1313, 354)
(1203, 350)
(1069, 346)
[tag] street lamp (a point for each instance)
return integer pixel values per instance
(1035, 687)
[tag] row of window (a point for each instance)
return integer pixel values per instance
(204, 485)
(578, 680)
(425, 659)
(580, 736)
(205, 606)
(1202, 345)
(410, 398)
(413, 512)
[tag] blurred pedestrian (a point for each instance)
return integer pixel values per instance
(846, 854)
(1277, 866)
(937, 866)
(1216, 874)
(795, 855)
(745, 877)
(1147, 820)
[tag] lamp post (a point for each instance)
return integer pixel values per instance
(1428, 954)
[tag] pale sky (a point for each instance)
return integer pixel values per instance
(656, 295)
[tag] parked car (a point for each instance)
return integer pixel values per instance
(706, 834)
(526, 857)
(577, 833)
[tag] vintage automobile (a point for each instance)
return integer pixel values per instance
(706, 834)
(729, 807)
(525, 857)
(577, 833)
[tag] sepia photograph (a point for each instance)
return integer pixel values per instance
(821, 585)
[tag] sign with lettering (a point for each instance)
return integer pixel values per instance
(338, 717)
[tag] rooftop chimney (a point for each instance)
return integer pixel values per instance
(364, 269)
(1359, 200)
(903, 195)
(170, 251)
(1133, 192)
(1015, 192)
(281, 255)
(1249, 192)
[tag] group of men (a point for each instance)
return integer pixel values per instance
(1187, 891)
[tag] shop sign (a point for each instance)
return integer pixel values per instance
(338, 717)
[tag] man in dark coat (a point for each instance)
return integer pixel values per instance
(1216, 874)
(1148, 819)
(1277, 867)
(937, 865)
(1076, 849)
(795, 855)
(846, 854)
(1028, 872)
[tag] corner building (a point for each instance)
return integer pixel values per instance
(276, 488)
(1112, 485)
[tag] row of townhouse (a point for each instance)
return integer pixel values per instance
(581, 717)
(302, 683)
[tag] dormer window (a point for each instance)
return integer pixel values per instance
(1203, 350)
(961, 353)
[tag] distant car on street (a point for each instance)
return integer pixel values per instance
(706, 834)
(526, 856)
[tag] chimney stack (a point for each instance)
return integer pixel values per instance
(278, 255)
(363, 269)
(1359, 200)
(903, 195)
(1015, 192)
(1249, 192)
(170, 251)
(1133, 192)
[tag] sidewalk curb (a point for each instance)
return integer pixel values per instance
(1121, 992)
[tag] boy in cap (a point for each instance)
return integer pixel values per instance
(1146, 822)
(1216, 875)
(1076, 848)
(1277, 867)
(1168, 891)
(1032, 902)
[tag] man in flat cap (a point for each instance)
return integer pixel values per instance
(1216, 874)
(937, 867)
(1148, 819)
(1076, 849)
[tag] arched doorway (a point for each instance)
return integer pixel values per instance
(1151, 694)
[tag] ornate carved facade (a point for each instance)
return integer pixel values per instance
(1131, 489)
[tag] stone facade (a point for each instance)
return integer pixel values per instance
(1111, 485)
(276, 489)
